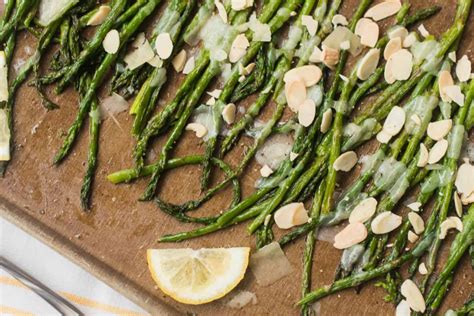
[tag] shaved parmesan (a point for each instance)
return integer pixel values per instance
(269, 264)
(140, 53)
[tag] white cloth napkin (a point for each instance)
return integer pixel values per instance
(82, 289)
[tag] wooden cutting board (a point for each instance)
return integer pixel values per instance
(111, 241)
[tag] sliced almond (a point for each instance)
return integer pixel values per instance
(397, 31)
(412, 237)
(345, 161)
(395, 120)
(363, 211)
(316, 55)
(385, 222)
(403, 309)
(457, 204)
(215, 93)
(198, 128)
(449, 223)
(393, 46)
(416, 119)
(291, 215)
(383, 137)
(444, 80)
(383, 10)
(467, 199)
(339, 19)
(326, 121)
(221, 10)
(111, 42)
(330, 56)
(238, 48)
(423, 157)
(409, 40)
(155, 62)
(455, 94)
(422, 269)
(179, 61)
(164, 45)
(295, 92)
(248, 69)
(228, 113)
(310, 23)
(437, 151)
(368, 31)
(352, 234)
(266, 171)
(463, 69)
(345, 45)
(416, 222)
(239, 5)
(309, 74)
(189, 66)
(293, 156)
(423, 31)
(415, 206)
(463, 182)
(368, 64)
(400, 64)
(413, 296)
(452, 56)
(100, 16)
(306, 112)
(211, 101)
(438, 130)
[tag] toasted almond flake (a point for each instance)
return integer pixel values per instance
(111, 42)
(345, 45)
(293, 13)
(398, 31)
(309, 74)
(221, 10)
(179, 61)
(345, 161)
(457, 204)
(394, 121)
(238, 48)
(452, 55)
(306, 112)
(463, 182)
(249, 68)
(363, 211)
(316, 55)
(410, 40)
(463, 69)
(412, 237)
(198, 128)
(413, 296)
(400, 64)
(403, 309)
(455, 94)
(444, 80)
(339, 19)
(293, 156)
(295, 92)
(437, 151)
(422, 269)
(100, 16)
(330, 56)
(239, 5)
(310, 23)
(416, 119)
(368, 64)
(423, 157)
(189, 66)
(228, 113)
(415, 206)
(449, 223)
(385, 222)
(242, 78)
(368, 31)
(291, 215)
(437, 130)
(266, 171)
(383, 137)
(269, 264)
(423, 31)
(416, 222)
(383, 10)
(215, 93)
(164, 45)
(352, 234)
(393, 46)
(326, 121)
(211, 101)
(467, 199)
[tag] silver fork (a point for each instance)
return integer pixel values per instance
(60, 304)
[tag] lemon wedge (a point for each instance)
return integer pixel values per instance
(197, 276)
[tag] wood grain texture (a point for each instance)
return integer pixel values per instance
(112, 240)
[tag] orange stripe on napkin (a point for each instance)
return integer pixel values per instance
(14, 311)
